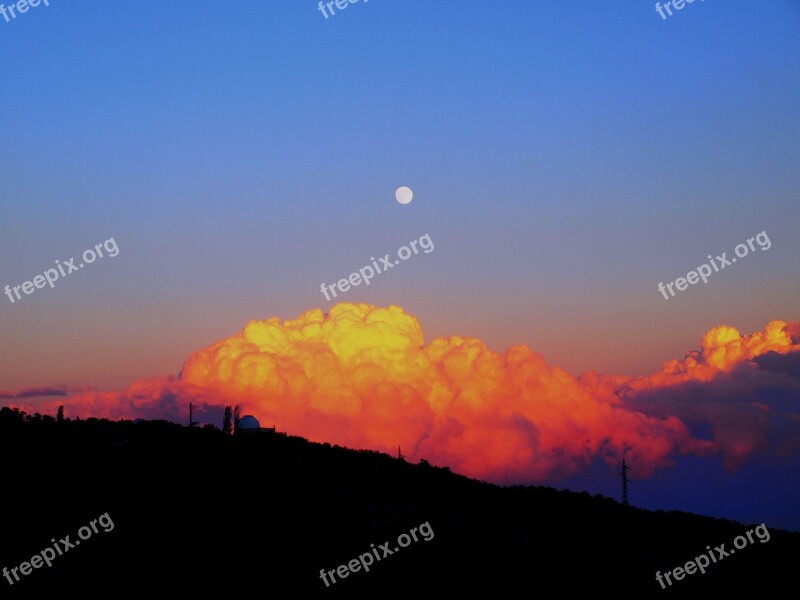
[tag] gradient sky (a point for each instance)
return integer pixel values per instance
(566, 157)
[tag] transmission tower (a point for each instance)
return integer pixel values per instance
(625, 482)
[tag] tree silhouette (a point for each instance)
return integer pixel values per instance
(60, 414)
(226, 421)
(236, 419)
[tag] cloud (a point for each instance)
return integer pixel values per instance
(744, 390)
(36, 392)
(363, 376)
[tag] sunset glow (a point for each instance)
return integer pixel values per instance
(363, 376)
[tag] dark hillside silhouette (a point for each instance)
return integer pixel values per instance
(198, 511)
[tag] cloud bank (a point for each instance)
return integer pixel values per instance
(362, 376)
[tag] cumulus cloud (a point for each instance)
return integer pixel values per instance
(743, 389)
(363, 376)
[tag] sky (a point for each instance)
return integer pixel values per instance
(565, 158)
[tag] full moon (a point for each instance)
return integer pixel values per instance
(404, 195)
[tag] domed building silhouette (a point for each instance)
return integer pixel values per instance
(248, 424)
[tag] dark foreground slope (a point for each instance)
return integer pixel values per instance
(195, 511)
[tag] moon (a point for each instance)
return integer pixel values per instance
(404, 195)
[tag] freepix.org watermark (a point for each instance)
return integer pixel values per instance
(366, 273)
(704, 271)
(50, 276)
(676, 4)
(702, 562)
(47, 555)
(340, 4)
(365, 560)
(11, 11)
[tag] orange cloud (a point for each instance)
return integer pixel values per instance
(362, 376)
(741, 388)
(723, 349)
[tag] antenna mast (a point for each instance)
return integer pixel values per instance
(625, 482)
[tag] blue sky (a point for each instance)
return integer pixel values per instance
(565, 156)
